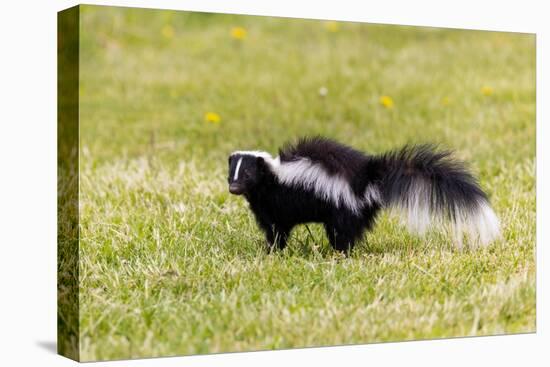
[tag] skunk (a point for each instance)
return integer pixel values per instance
(320, 180)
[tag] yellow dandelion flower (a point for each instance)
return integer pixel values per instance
(486, 91)
(332, 26)
(212, 117)
(168, 31)
(238, 33)
(445, 101)
(386, 101)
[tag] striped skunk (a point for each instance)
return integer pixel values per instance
(320, 180)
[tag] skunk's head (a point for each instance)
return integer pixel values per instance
(246, 170)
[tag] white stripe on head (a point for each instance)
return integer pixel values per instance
(272, 162)
(236, 176)
(254, 153)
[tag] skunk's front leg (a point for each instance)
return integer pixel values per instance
(276, 236)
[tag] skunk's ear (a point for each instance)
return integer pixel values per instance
(260, 163)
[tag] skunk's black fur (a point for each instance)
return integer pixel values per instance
(320, 180)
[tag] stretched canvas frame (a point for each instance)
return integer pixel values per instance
(117, 157)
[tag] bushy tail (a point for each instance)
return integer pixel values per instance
(428, 187)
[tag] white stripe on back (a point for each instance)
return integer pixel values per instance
(236, 176)
(312, 176)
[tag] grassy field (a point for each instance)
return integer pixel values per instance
(171, 264)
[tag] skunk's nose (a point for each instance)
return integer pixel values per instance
(236, 189)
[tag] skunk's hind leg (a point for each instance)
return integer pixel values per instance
(344, 231)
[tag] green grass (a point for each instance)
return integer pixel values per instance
(171, 264)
